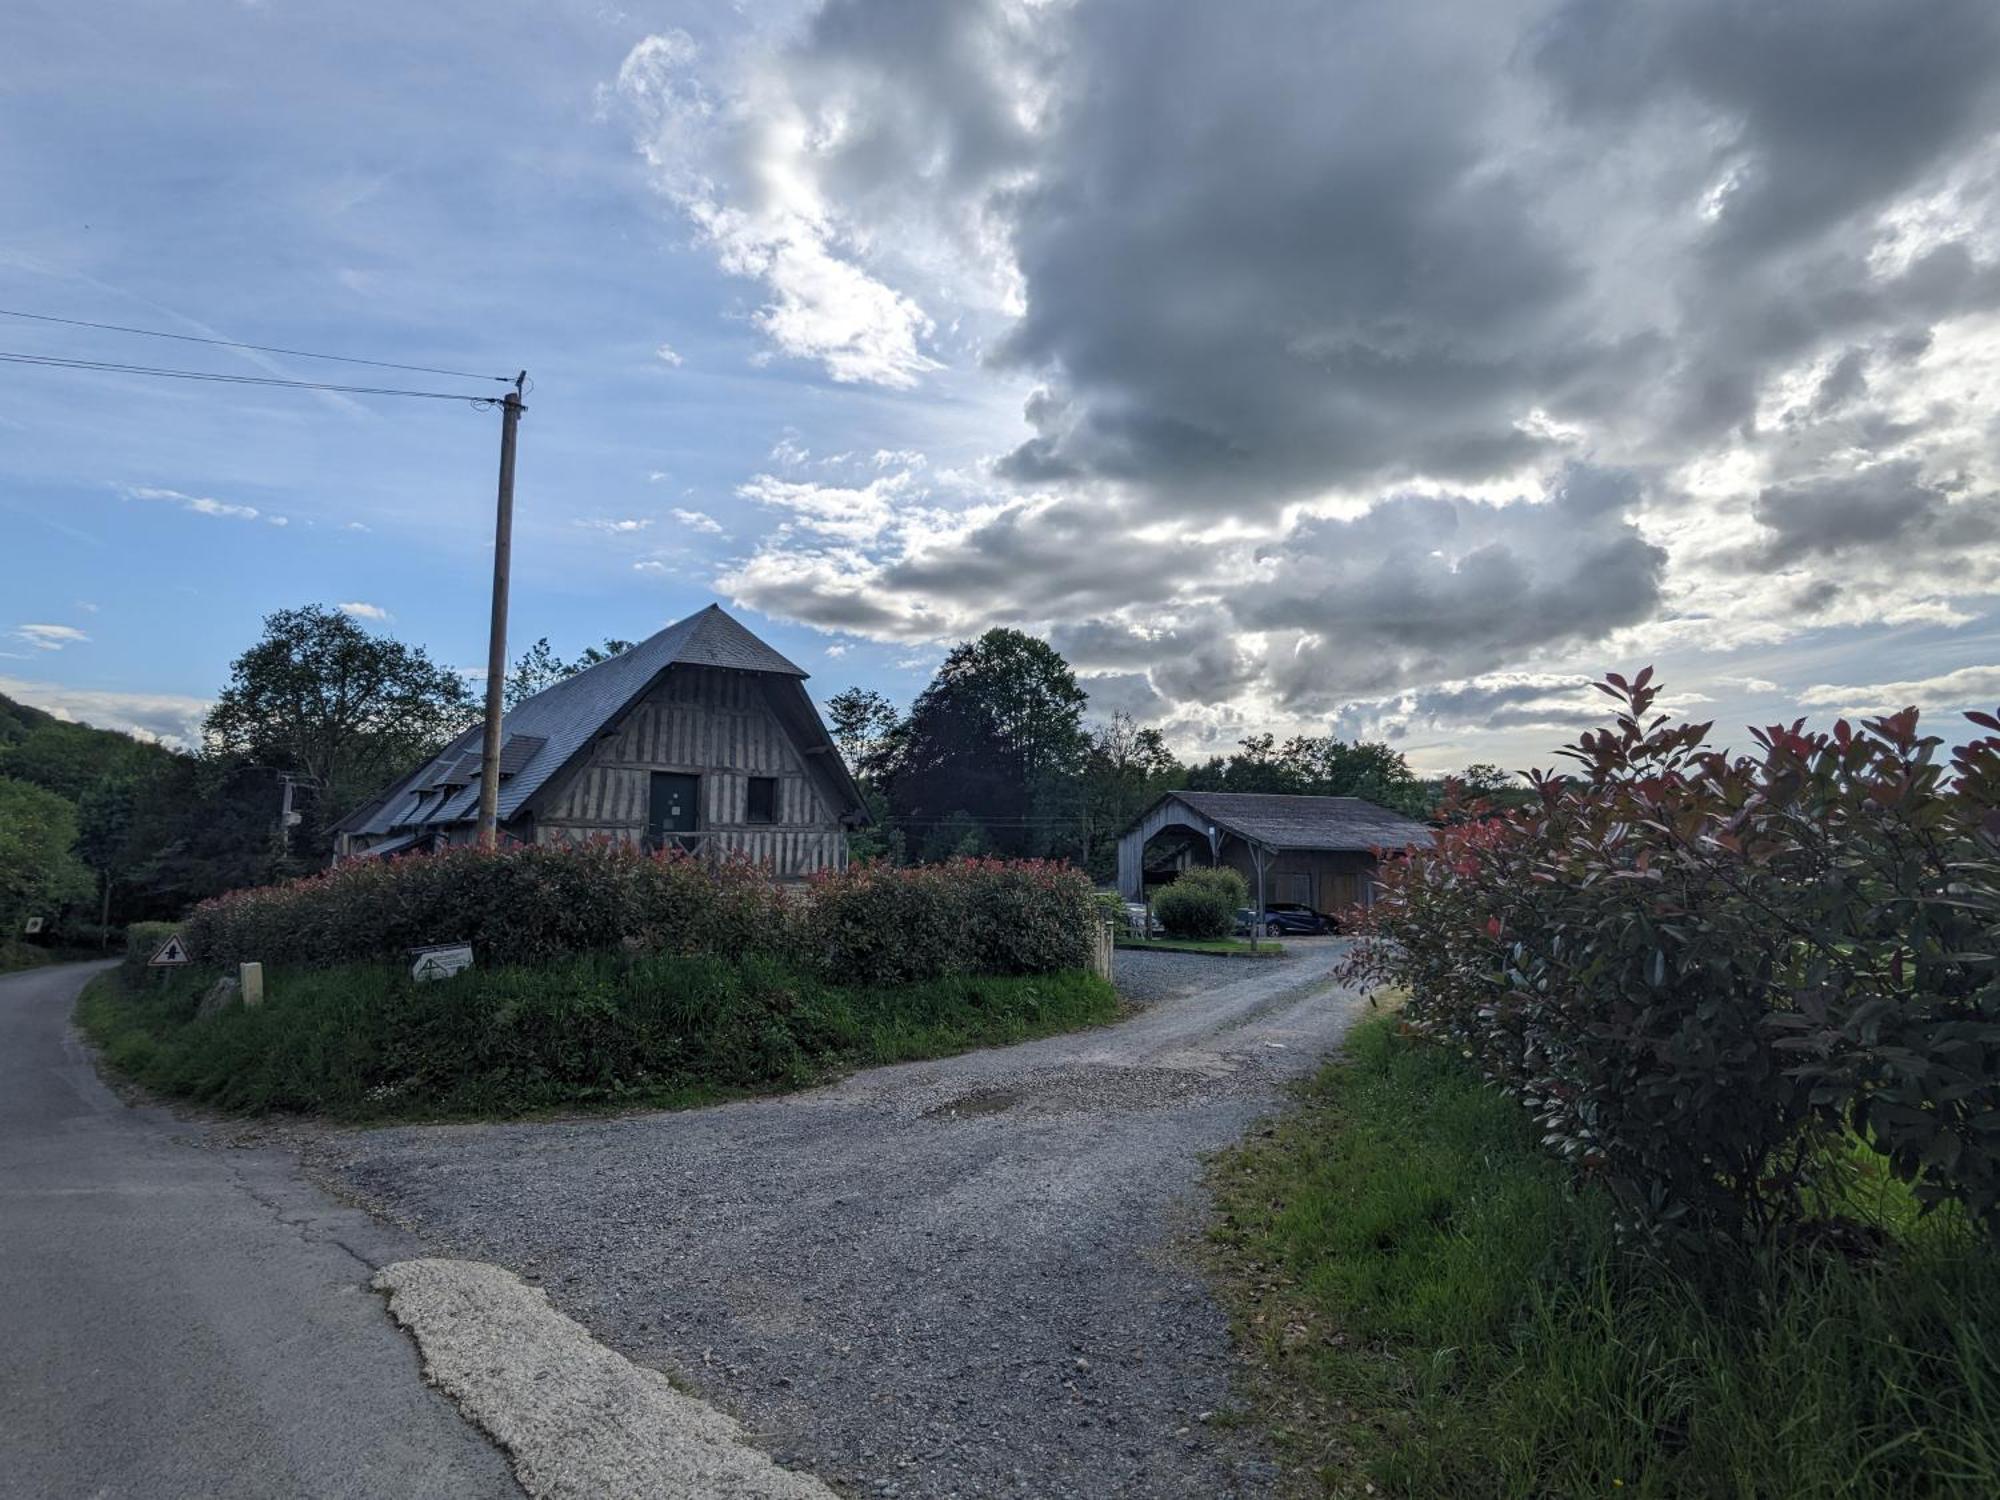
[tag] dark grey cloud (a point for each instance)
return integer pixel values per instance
(1196, 656)
(1832, 105)
(1259, 261)
(1046, 562)
(1508, 701)
(1276, 247)
(1424, 586)
(1844, 382)
(1128, 693)
(1670, 259)
(1887, 509)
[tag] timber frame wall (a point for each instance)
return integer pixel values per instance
(718, 725)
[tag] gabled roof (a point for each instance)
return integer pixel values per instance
(542, 734)
(1335, 824)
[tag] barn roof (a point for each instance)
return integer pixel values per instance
(540, 735)
(1335, 824)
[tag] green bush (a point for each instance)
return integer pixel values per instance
(534, 904)
(1027, 916)
(1111, 908)
(365, 1041)
(885, 925)
(1201, 903)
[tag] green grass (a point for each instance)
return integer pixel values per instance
(603, 1032)
(1267, 948)
(1435, 1311)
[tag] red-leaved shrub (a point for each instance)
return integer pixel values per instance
(527, 904)
(1698, 970)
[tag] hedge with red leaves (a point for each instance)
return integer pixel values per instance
(1700, 970)
(532, 903)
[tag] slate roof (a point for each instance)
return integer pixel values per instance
(540, 735)
(1341, 824)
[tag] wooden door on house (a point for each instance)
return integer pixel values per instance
(671, 813)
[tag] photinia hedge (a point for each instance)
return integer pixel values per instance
(1700, 971)
(531, 903)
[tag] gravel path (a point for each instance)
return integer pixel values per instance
(962, 1278)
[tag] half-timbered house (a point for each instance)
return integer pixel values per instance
(701, 737)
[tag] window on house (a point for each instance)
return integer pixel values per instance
(761, 805)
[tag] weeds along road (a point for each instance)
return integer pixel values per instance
(967, 1277)
(183, 1321)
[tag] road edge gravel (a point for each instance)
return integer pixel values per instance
(579, 1420)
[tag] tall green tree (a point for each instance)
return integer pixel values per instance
(997, 730)
(39, 870)
(539, 667)
(68, 759)
(1126, 768)
(861, 722)
(343, 710)
(1317, 766)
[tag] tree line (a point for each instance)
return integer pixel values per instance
(996, 755)
(107, 828)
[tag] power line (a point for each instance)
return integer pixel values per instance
(190, 338)
(56, 362)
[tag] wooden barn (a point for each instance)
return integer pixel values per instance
(1315, 851)
(701, 737)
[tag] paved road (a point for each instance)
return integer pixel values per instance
(963, 1278)
(186, 1321)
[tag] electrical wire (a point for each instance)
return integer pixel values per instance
(190, 338)
(59, 363)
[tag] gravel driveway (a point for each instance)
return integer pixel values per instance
(962, 1278)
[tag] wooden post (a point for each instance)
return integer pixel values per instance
(1261, 858)
(496, 639)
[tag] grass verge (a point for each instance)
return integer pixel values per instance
(366, 1043)
(1236, 947)
(1431, 1309)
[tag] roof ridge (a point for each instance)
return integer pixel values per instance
(1295, 796)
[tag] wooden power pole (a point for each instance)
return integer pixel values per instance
(496, 641)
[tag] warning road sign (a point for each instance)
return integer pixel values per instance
(171, 953)
(441, 961)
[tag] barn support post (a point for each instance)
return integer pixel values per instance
(1261, 859)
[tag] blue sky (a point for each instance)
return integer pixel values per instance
(1289, 370)
(415, 184)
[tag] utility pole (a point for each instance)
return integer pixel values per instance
(496, 643)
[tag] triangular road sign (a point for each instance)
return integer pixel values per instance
(173, 951)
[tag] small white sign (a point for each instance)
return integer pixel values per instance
(441, 961)
(32, 926)
(172, 953)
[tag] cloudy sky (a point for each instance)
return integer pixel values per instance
(1290, 364)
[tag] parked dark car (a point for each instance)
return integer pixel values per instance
(1285, 919)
